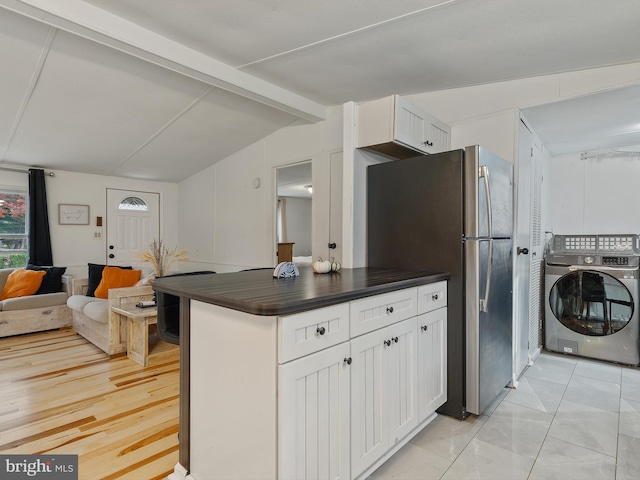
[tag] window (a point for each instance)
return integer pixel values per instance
(133, 203)
(13, 228)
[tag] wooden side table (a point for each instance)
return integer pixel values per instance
(139, 348)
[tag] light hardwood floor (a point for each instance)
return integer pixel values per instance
(61, 394)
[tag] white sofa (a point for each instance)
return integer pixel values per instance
(94, 320)
(34, 313)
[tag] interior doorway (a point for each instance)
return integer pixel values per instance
(294, 209)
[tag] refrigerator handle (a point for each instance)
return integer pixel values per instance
(483, 172)
(484, 302)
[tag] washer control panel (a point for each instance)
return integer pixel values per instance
(614, 260)
(592, 245)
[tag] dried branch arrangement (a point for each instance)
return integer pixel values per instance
(161, 258)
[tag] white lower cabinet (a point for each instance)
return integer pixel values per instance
(313, 413)
(309, 399)
(432, 362)
(384, 391)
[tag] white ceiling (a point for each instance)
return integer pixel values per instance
(595, 122)
(160, 89)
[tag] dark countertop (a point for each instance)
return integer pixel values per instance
(257, 292)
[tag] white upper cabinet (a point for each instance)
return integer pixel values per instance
(394, 127)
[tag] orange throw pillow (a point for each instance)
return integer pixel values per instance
(21, 283)
(114, 277)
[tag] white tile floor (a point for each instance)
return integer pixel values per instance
(568, 419)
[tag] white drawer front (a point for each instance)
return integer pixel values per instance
(308, 332)
(432, 296)
(371, 313)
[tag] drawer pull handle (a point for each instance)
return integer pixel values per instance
(387, 342)
(424, 328)
(389, 309)
(434, 297)
(347, 360)
(320, 330)
(395, 339)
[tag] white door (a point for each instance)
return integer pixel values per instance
(327, 206)
(523, 247)
(335, 206)
(133, 222)
(313, 441)
(432, 362)
(403, 379)
(537, 251)
(369, 410)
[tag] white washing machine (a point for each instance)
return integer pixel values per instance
(591, 297)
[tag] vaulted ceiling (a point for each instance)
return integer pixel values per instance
(161, 89)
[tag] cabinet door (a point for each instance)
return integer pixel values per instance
(432, 361)
(313, 412)
(402, 363)
(369, 417)
(436, 136)
(410, 124)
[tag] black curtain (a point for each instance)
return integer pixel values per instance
(39, 237)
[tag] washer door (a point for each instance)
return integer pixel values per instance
(591, 303)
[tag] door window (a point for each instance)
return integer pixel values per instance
(133, 203)
(591, 303)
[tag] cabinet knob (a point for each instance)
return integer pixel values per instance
(332, 246)
(111, 255)
(434, 297)
(347, 360)
(428, 143)
(389, 309)
(424, 328)
(320, 330)
(395, 339)
(387, 342)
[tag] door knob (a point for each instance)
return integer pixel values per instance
(111, 255)
(111, 247)
(523, 251)
(332, 245)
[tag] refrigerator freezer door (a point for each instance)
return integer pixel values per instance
(488, 320)
(488, 195)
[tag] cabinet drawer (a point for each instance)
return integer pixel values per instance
(432, 296)
(371, 313)
(308, 332)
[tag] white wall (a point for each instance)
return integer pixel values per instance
(234, 224)
(226, 224)
(234, 227)
(73, 246)
(594, 196)
(487, 115)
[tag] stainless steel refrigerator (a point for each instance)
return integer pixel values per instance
(453, 212)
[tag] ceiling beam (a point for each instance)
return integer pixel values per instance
(95, 24)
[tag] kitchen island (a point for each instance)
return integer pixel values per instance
(321, 375)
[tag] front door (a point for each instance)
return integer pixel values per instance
(133, 222)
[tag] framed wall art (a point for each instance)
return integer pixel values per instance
(69, 214)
